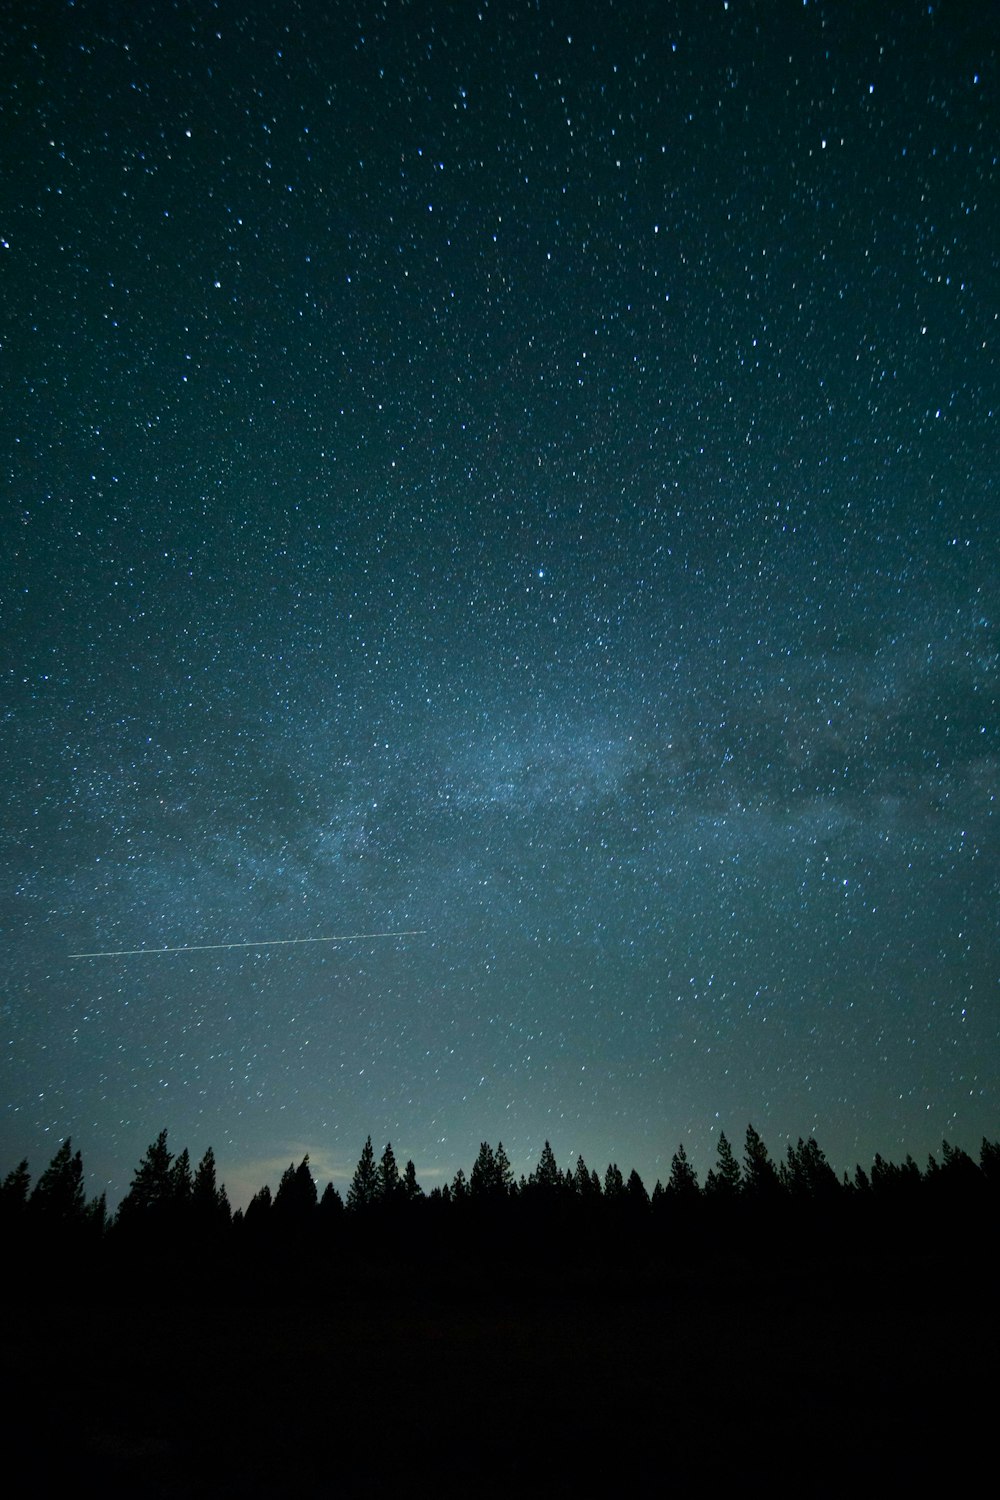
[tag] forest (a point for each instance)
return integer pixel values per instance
(746, 1205)
(560, 1332)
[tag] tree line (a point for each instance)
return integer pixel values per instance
(170, 1199)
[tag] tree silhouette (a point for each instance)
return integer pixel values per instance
(258, 1212)
(892, 1182)
(504, 1172)
(96, 1215)
(331, 1205)
(546, 1176)
(295, 1199)
(59, 1196)
(807, 1174)
(388, 1182)
(181, 1184)
(14, 1190)
(482, 1179)
(989, 1161)
(614, 1182)
(179, 1208)
(411, 1187)
(491, 1179)
(635, 1191)
(957, 1182)
(861, 1183)
(586, 1183)
(724, 1181)
(546, 1185)
(151, 1194)
(209, 1203)
(363, 1191)
(958, 1164)
(683, 1182)
(286, 1187)
(883, 1174)
(762, 1180)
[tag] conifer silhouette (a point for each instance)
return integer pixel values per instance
(762, 1180)
(411, 1187)
(59, 1195)
(546, 1177)
(614, 1182)
(209, 1203)
(331, 1205)
(180, 1180)
(683, 1182)
(363, 1192)
(15, 1186)
(388, 1182)
(151, 1194)
(295, 1199)
(724, 1181)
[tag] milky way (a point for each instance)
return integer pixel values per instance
(522, 473)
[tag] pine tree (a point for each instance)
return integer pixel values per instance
(614, 1182)
(724, 1181)
(258, 1212)
(150, 1195)
(683, 1182)
(959, 1163)
(884, 1175)
(15, 1186)
(286, 1188)
(59, 1196)
(546, 1177)
(306, 1196)
(504, 1174)
(389, 1185)
(958, 1179)
(295, 1199)
(762, 1180)
(583, 1182)
(635, 1191)
(331, 1205)
(482, 1181)
(96, 1215)
(204, 1194)
(491, 1179)
(363, 1191)
(989, 1161)
(807, 1173)
(208, 1201)
(180, 1180)
(412, 1190)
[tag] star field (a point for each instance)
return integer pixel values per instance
(524, 472)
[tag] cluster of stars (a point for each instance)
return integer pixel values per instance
(525, 480)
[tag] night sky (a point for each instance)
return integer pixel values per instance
(522, 473)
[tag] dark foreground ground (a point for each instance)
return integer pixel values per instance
(803, 1382)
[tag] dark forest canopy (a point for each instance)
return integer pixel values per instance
(168, 1194)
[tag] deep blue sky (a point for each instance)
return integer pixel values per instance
(524, 472)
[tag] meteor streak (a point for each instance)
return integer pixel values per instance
(343, 937)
